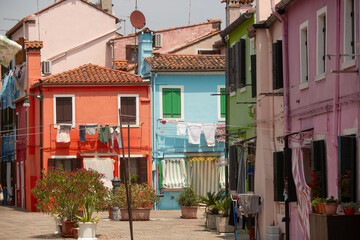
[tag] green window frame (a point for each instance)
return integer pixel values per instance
(171, 102)
(222, 102)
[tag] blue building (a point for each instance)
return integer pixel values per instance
(187, 107)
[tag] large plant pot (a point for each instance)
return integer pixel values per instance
(331, 208)
(317, 208)
(322, 208)
(212, 221)
(110, 211)
(222, 225)
(87, 230)
(138, 214)
(349, 211)
(189, 212)
(67, 228)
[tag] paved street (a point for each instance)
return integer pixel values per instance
(16, 223)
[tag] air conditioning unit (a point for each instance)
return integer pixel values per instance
(157, 41)
(46, 67)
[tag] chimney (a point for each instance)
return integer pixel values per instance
(144, 50)
(106, 5)
(238, 7)
(33, 61)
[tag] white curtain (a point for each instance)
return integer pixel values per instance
(101, 165)
(303, 192)
(174, 173)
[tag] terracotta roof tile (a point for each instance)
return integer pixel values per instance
(90, 74)
(172, 62)
(33, 44)
(121, 65)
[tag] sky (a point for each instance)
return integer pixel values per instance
(159, 14)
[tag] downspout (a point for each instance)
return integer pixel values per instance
(336, 89)
(154, 156)
(286, 104)
(111, 43)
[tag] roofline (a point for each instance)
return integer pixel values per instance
(262, 25)
(170, 29)
(90, 85)
(25, 19)
(209, 35)
(188, 70)
(240, 20)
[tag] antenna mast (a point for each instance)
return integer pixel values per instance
(189, 12)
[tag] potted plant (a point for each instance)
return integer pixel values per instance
(331, 205)
(315, 204)
(188, 200)
(87, 223)
(211, 210)
(344, 186)
(350, 208)
(322, 208)
(222, 221)
(142, 199)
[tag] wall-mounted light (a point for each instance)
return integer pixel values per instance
(26, 100)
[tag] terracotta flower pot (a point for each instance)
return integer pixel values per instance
(110, 211)
(189, 212)
(349, 211)
(322, 207)
(67, 228)
(331, 208)
(317, 208)
(138, 214)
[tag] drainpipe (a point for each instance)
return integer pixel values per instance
(111, 43)
(154, 156)
(286, 104)
(336, 89)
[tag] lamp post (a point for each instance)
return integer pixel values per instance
(115, 211)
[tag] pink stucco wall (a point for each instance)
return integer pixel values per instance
(71, 38)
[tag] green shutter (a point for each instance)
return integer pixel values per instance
(223, 102)
(171, 103)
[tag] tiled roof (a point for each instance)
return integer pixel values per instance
(241, 1)
(25, 19)
(195, 41)
(90, 75)
(172, 62)
(33, 44)
(121, 65)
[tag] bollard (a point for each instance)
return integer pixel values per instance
(115, 211)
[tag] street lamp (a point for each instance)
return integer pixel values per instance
(26, 100)
(115, 211)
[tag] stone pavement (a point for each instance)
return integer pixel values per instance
(16, 223)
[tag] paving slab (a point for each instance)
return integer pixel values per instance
(16, 223)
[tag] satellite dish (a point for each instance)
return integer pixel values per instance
(137, 19)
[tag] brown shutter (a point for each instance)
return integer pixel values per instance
(76, 164)
(128, 108)
(64, 110)
(142, 170)
(20, 56)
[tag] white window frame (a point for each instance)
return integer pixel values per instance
(219, 102)
(161, 87)
(320, 41)
(303, 55)
(73, 107)
(137, 107)
(348, 60)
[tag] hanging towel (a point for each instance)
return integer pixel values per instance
(104, 135)
(173, 121)
(63, 135)
(220, 130)
(194, 131)
(181, 128)
(209, 130)
(82, 133)
(91, 128)
(115, 130)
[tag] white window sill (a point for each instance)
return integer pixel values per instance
(320, 77)
(242, 89)
(56, 125)
(304, 85)
(348, 64)
(221, 119)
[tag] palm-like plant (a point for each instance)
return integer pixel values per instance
(224, 206)
(210, 201)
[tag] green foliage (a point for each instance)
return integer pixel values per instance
(210, 201)
(315, 202)
(331, 200)
(134, 178)
(224, 206)
(142, 196)
(350, 205)
(88, 211)
(188, 198)
(63, 193)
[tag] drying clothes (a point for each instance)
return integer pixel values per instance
(82, 133)
(63, 135)
(181, 129)
(194, 131)
(91, 128)
(173, 121)
(104, 135)
(115, 131)
(209, 130)
(220, 130)
(101, 165)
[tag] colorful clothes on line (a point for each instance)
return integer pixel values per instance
(115, 131)
(194, 131)
(91, 128)
(221, 130)
(63, 135)
(82, 133)
(104, 135)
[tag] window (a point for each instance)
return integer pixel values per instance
(131, 53)
(304, 52)
(171, 100)
(221, 103)
(321, 42)
(253, 75)
(279, 175)
(64, 109)
(349, 29)
(69, 164)
(277, 65)
(319, 160)
(209, 52)
(138, 166)
(129, 106)
(240, 59)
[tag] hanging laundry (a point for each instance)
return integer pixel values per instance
(181, 128)
(173, 121)
(220, 130)
(209, 130)
(194, 131)
(91, 128)
(82, 133)
(104, 135)
(63, 135)
(115, 131)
